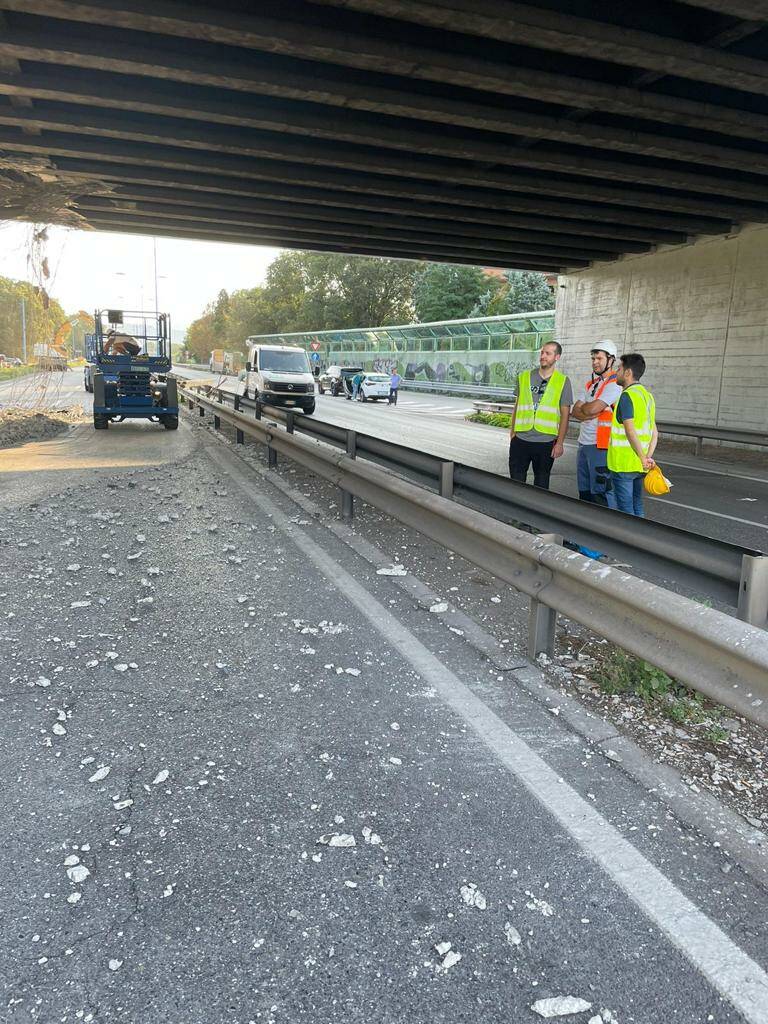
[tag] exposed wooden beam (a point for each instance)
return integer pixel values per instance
(224, 108)
(500, 20)
(543, 29)
(749, 10)
(394, 231)
(270, 145)
(698, 216)
(317, 83)
(296, 239)
(385, 196)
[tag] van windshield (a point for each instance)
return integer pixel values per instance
(283, 362)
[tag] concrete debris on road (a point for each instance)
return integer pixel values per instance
(473, 897)
(560, 1006)
(340, 839)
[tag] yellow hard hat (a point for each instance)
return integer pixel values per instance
(655, 482)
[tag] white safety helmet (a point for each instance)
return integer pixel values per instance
(607, 346)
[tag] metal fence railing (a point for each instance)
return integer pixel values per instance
(712, 652)
(709, 568)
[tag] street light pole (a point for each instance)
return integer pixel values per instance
(154, 253)
(24, 331)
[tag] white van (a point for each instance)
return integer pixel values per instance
(279, 375)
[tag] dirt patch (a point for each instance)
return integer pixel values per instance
(711, 747)
(17, 426)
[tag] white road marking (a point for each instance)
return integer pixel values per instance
(737, 977)
(708, 512)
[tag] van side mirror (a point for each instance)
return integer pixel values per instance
(248, 366)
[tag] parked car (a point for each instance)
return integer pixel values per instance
(11, 360)
(279, 375)
(333, 379)
(373, 387)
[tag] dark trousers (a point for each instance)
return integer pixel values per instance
(393, 396)
(524, 454)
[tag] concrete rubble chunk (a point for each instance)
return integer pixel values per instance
(339, 839)
(560, 1006)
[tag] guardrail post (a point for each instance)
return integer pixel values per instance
(257, 410)
(202, 411)
(753, 590)
(239, 436)
(237, 403)
(216, 422)
(271, 454)
(446, 479)
(289, 414)
(699, 450)
(541, 618)
(347, 499)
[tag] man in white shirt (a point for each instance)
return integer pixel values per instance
(594, 411)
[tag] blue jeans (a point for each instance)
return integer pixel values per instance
(626, 493)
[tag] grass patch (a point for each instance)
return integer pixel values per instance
(11, 372)
(622, 673)
(492, 419)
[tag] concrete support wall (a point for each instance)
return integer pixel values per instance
(699, 315)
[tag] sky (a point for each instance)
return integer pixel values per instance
(93, 269)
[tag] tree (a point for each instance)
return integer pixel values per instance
(200, 340)
(308, 291)
(521, 291)
(220, 318)
(41, 321)
(315, 291)
(445, 291)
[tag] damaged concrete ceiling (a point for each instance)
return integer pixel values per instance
(544, 135)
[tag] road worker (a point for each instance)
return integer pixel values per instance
(633, 437)
(540, 420)
(594, 410)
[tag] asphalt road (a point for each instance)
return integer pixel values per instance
(210, 694)
(713, 496)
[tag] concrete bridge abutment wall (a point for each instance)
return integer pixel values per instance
(699, 315)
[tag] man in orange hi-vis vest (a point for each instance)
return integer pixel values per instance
(594, 410)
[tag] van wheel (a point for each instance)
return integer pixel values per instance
(100, 422)
(170, 422)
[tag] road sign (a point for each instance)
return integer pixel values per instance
(314, 345)
(315, 357)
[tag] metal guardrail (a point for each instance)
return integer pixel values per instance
(709, 568)
(710, 651)
(451, 388)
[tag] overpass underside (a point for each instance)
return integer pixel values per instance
(547, 135)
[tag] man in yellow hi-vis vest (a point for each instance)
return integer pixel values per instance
(633, 438)
(540, 419)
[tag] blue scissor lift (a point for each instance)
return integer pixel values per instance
(132, 383)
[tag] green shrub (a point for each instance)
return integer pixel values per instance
(492, 419)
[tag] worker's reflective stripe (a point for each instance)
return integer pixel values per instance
(546, 418)
(622, 457)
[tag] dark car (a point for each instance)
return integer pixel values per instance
(333, 378)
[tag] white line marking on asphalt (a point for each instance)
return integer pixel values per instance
(716, 472)
(727, 967)
(708, 512)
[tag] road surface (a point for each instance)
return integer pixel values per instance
(245, 778)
